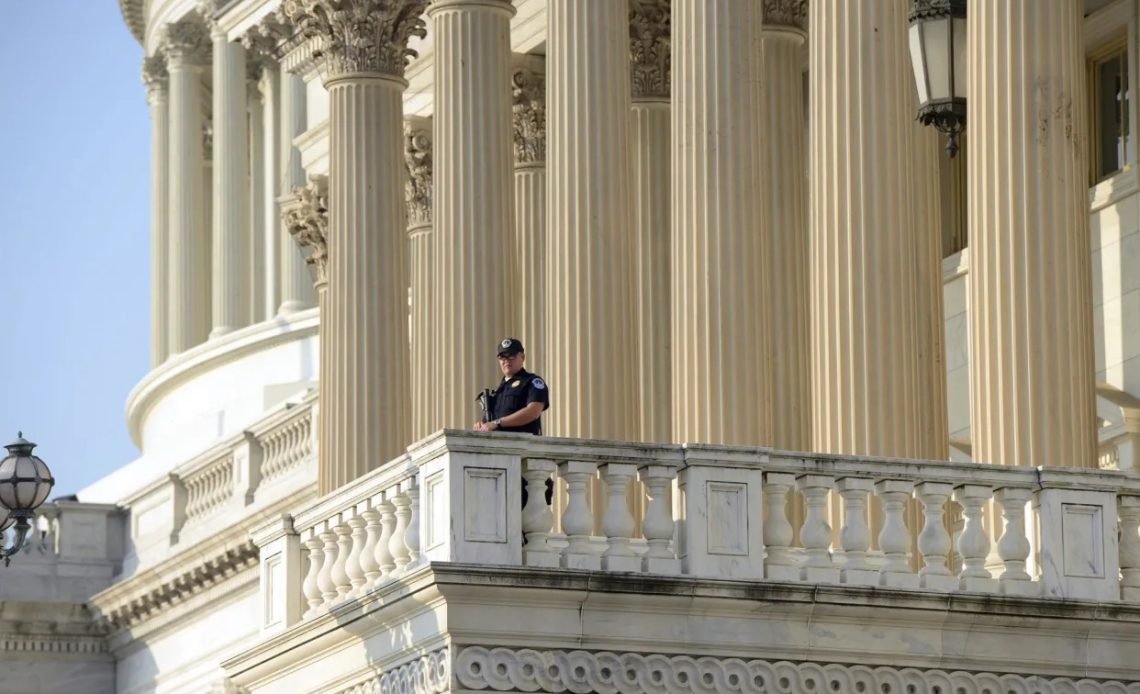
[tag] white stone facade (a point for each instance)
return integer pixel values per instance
(711, 259)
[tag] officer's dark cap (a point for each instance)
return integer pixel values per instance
(509, 346)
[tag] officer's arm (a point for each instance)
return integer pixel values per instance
(522, 417)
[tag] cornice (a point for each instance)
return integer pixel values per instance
(132, 11)
(210, 355)
(49, 630)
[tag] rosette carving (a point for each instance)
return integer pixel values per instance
(649, 47)
(369, 36)
(528, 91)
(786, 13)
(154, 74)
(417, 162)
(306, 216)
(187, 41)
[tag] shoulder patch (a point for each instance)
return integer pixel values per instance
(538, 383)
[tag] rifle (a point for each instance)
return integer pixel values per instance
(486, 401)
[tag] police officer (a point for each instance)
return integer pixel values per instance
(519, 400)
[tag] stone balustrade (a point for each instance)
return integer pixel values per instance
(709, 512)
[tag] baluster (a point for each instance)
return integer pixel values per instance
(396, 544)
(855, 535)
(384, 558)
(537, 518)
(934, 541)
(352, 567)
(343, 543)
(1129, 510)
(1013, 546)
(368, 564)
(311, 586)
(780, 563)
(894, 539)
(577, 521)
(658, 525)
(324, 578)
(817, 566)
(412, 536)
(974, 543)
(618, 521)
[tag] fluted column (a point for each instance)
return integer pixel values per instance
(933, 432)
(364, 341)
(296, 284)
(649, 132)
(187, 50)
(260, 155)
(157, 82)
(528, 89)
(231, 285)
(418, 196)
(1031, 337)
(863, 337)
(476, 264)
(722, 378)
(785, 154)
(591, 333)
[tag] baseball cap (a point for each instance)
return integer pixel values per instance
(509, 346)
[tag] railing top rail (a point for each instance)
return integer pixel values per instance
(392, 472)
(285, 415)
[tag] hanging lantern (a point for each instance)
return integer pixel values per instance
(938, 55)
(25, 482)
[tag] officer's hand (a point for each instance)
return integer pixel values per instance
(482, 426)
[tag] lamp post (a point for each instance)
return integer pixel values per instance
(938, 55)
(25, 482)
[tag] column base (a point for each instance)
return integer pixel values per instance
(219, 332)
(293, 307)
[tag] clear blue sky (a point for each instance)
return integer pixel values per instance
(75, 236)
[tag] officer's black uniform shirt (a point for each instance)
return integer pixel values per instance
(517, 392)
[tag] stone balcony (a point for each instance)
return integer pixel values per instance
(673, 568)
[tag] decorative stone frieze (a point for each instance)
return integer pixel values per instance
(417, 162)
(528, 94)
(187, 41)
(506, 669)
(306, 219)
(361, 36)
(649, 48)
(786, 13)
(154, 74)
(428, 674)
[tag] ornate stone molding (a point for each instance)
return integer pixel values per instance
(361, 36)
(268, 38)
(154, 75)
(649, 47)
(528, 91)
(306, 217)
(418, 163)
(187, 41)
(506, 669)
(135, 607)
(429, 674)
(786, 13)
(43, 643)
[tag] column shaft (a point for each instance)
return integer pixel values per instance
(156, 78)
(863, 340)
(364, 349)
(476, 264)
(418, 195)
(258, 157)
(785, 154)
(591, 334)
(270, 229)
(1031, 336)
(231, 285)
(296, 286)
(528, 86)
(189, 250)
(721, 312)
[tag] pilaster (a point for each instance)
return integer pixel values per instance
(722, 370)
(528, 91)
(591, 266)
(157, 82)
(1031, 335)
(418, 196)
(649, 132)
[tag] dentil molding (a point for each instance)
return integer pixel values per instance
(526, 670)
(361, 36)
(429, 674)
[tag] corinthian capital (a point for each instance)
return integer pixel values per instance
(369, 36)
(305, 213)
(649, 47)
(417, 161)
(786, 13)
(265, 38)
(154, 75)
(187, 41)
(528, 93)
